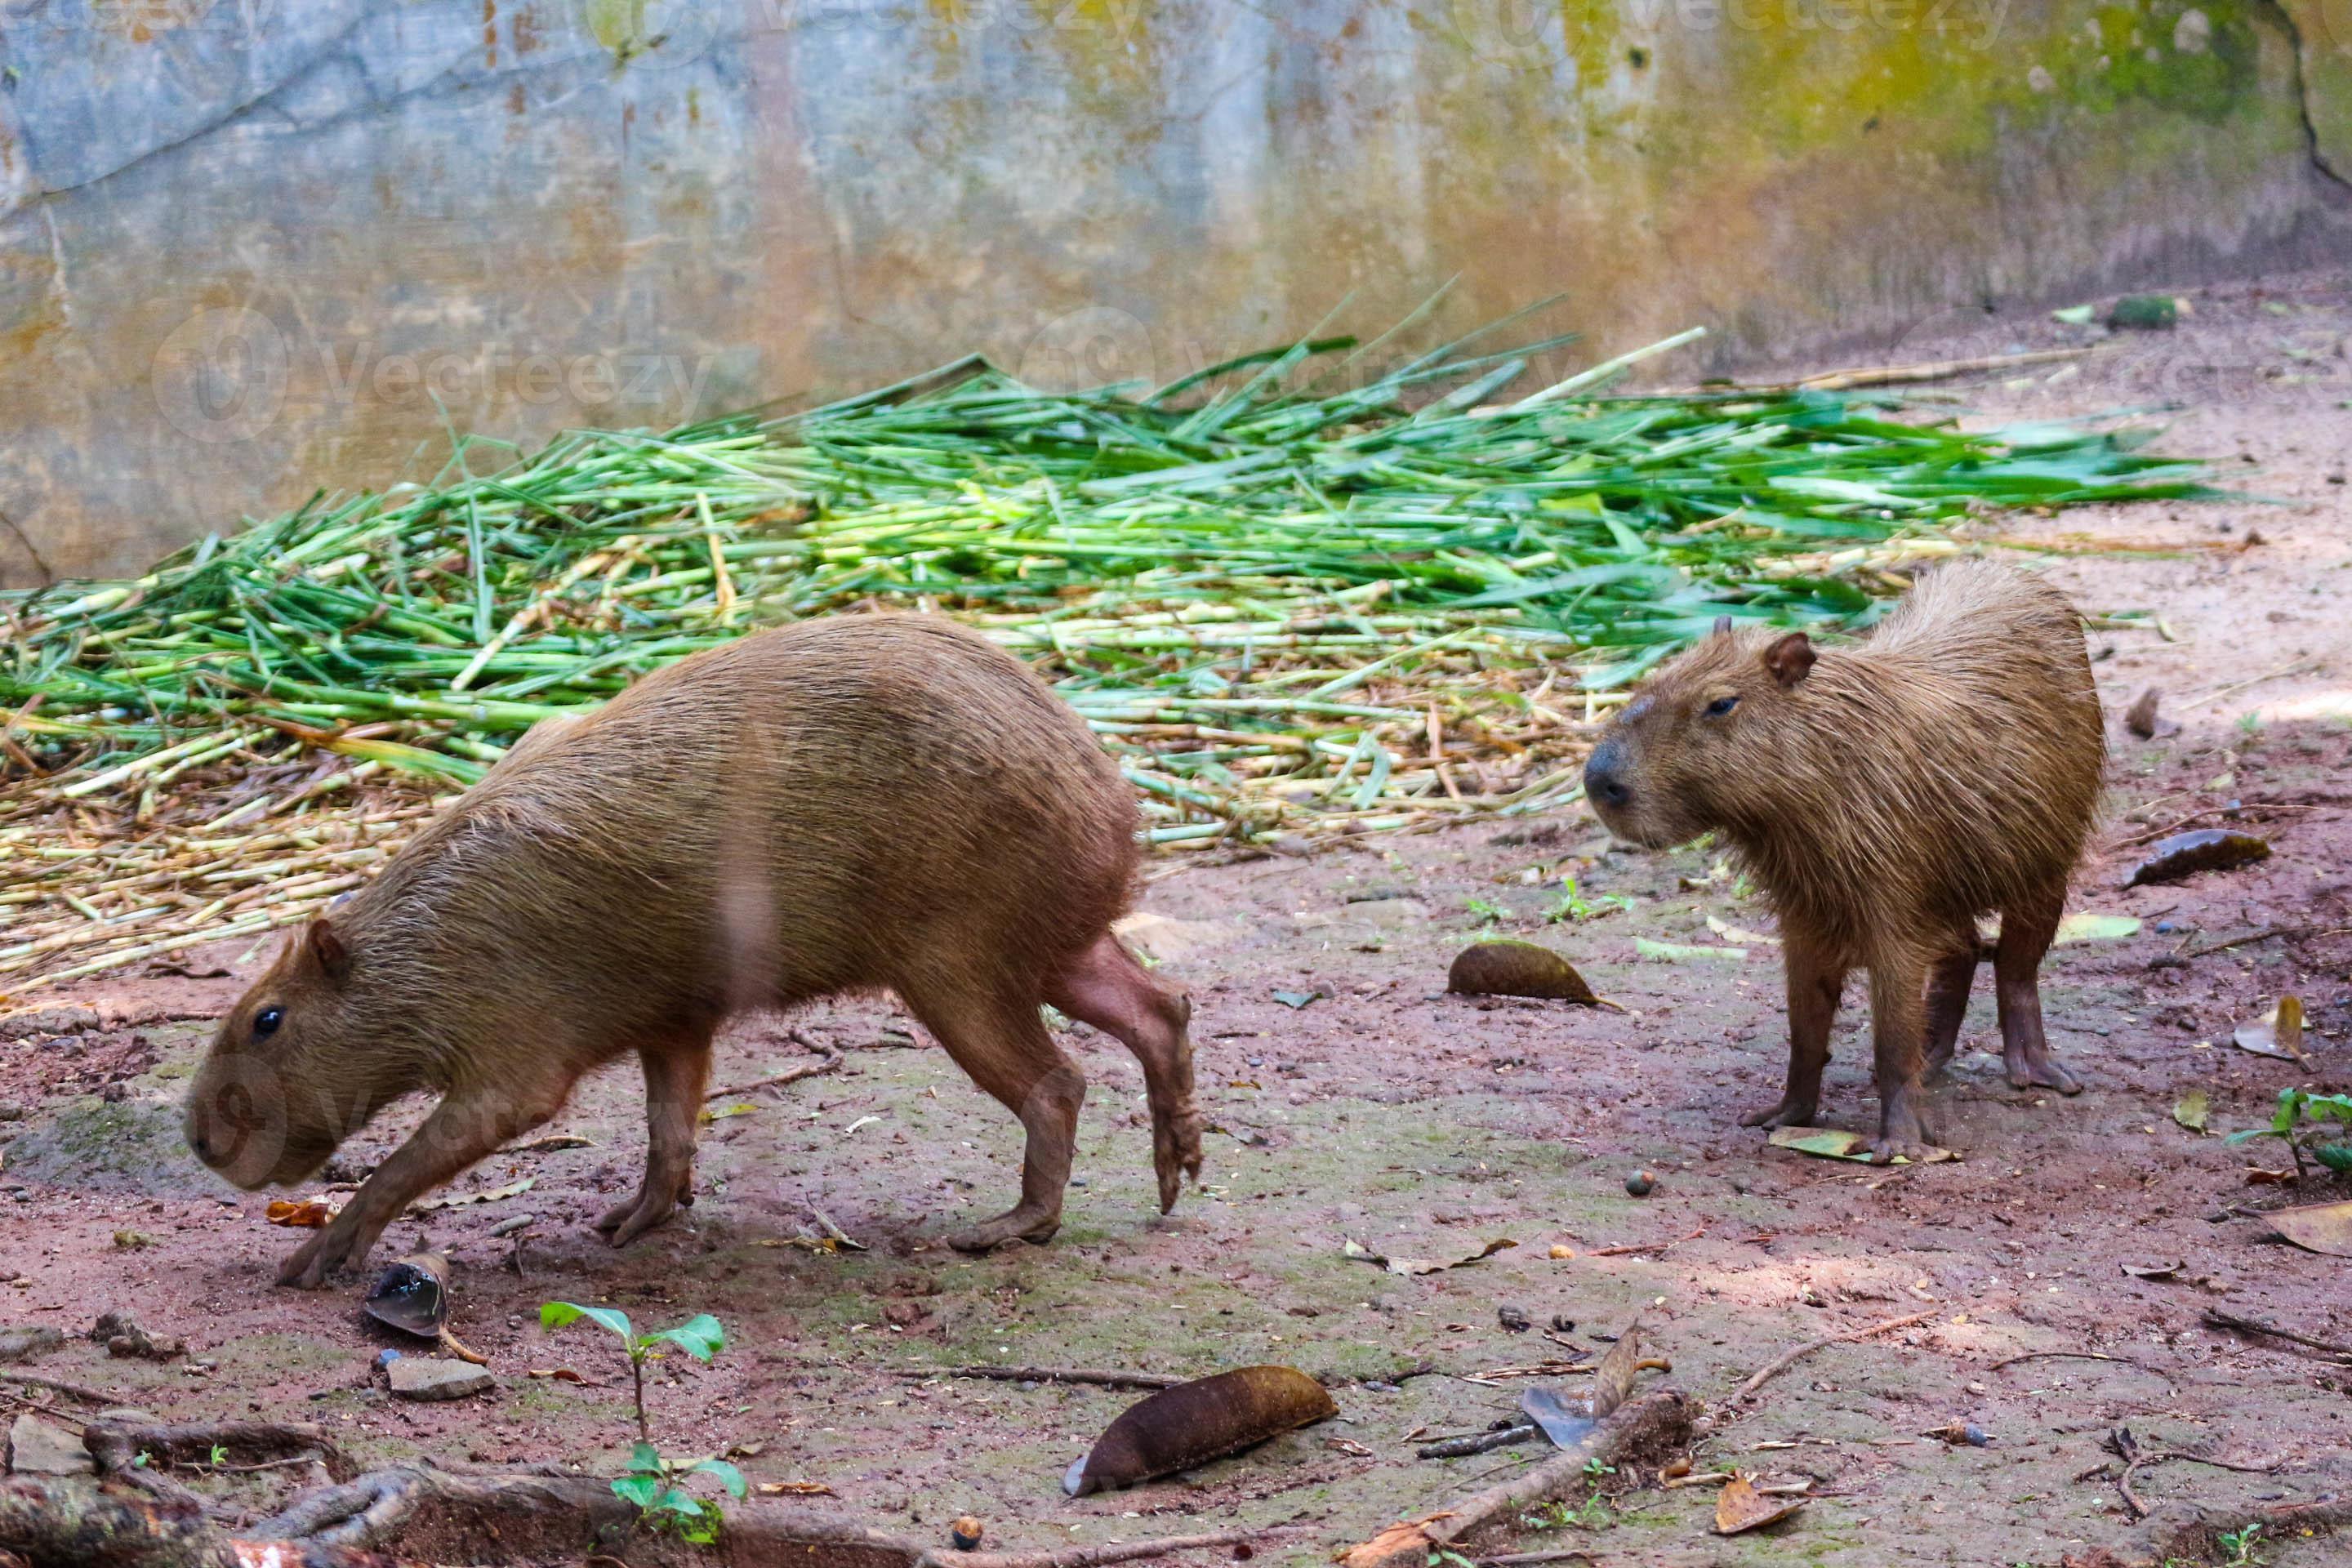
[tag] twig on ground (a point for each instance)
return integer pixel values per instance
(1530, 1559)
(777, 1080)
(1801, 1352)
(1099, 1377)
(1091, 1556)
(2218, 1319)
(1655, 1422)
(80, 1391)
(1645, 1246)
(2135, 1458)
(2078, 1355)
(1478, 1442)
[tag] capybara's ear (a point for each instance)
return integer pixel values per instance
(1789, 658)
(1722, 624)
(326, 948)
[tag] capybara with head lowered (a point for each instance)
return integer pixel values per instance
(866, 802)
(1882, 795)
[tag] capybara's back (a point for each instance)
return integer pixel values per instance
(849, 803)
(869, 801)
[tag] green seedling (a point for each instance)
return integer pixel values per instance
(2319, 1125)
(653, 1483)
(1574, 906)
(2240, 1544)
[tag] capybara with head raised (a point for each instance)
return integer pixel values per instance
(866, 802)
(1884, 795)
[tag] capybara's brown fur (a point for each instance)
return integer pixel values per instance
(1882, 795)
(859, 803)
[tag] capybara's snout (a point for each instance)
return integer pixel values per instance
(1607, 784)
(235, 1121)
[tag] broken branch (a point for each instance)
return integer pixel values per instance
(1801, 1352)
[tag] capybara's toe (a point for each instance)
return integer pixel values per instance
(2043, 1074)
(1781, 1113)
(1016, 1225)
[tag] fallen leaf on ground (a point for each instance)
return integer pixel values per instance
(1832, 1144)
(1739, 1508)
(1192, 1423)
(1733, 934)
(461, 1200)
(721, 1112)
(2279, 1033)
(1293, 1000)
(1517, 969)
(2087, 925)
(795, 1489)
(2186, 854)
(2318, 1227)
(562, 1374)
(1678, 952)
(2258, 1177)
(307, 1213)
(2192, 1110)
(549, 1144)
(1363, 1254)
(2151, 1270)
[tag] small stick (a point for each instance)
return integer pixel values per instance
(1099, 1377)
(1801, 1352)
(1478, 1442)
(1112, 1551)
(2216, 1318)
(777, 1080)
(1528, 1559)
(58, 1385)
(1646, 1246)
(2077, 1355)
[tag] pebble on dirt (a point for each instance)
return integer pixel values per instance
(965, 1532)
(426, 1378)
(1641, 1184)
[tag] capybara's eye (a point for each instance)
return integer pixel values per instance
(1720, 706)
(265, 1022)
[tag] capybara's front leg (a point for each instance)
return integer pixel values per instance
(2026, 929)
(1897, 1022)
(1003, 1043)
(677, 1075)
(467, 1126)
(1106, 987)
(1815, 978)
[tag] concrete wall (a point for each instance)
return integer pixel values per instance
(250, 247)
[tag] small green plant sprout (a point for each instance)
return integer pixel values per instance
(2319, 1125)
(2240, 1544)
(656, 1485)
(1487, 910)
(700, 1337)
(1574, 906)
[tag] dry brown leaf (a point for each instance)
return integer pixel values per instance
(2318, 1227)
(2279, 1033)
(796, 1489)
(1739, 1507)
(1613, 1380)
(308, 1214)
(461, 1200)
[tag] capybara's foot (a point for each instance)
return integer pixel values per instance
(1787, 1111)
(1175, 1149)
(1902, 1132)
(322, 1256)
(625, 1221)
(1021, 1224)
(2040, 1070)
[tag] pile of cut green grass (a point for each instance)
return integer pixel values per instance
(1288, 609)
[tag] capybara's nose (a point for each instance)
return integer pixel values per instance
(202, 1140)
(1604, 781)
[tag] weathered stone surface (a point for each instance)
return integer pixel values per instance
(250, 251)
(37, 1448)
(423, 1378)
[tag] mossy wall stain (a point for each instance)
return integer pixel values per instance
(249, 261)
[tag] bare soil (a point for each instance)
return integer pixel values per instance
(1420, 1124)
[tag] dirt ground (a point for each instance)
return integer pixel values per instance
(1420, 1124)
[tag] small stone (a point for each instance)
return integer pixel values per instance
(1515, 1320)
(1640, 1184)
(966, 1532)
(425, 1378)
(35, 1021)
(37, 1448)
(12, 1110)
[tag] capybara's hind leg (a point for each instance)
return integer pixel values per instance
(1004, 1044)
(1106, 987)
(2026, 929)
(677, 1073)
(1949, 980)
(1815, 978)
